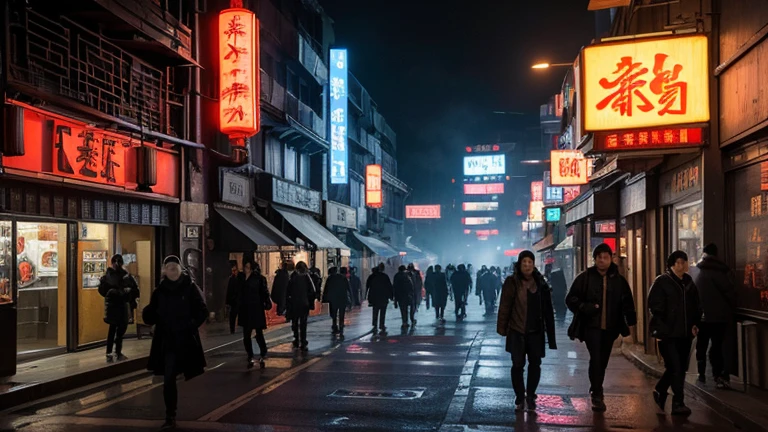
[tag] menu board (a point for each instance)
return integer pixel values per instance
(94, 266)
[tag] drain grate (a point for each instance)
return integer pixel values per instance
(401, 394)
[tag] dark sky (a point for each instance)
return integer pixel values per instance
(438, 69)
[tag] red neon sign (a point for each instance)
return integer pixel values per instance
(650, 139)
(483, 189)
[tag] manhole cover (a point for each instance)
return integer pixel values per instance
(402, 394)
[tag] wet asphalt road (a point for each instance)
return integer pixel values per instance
(436, 377)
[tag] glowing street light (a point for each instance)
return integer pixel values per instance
(549, 65)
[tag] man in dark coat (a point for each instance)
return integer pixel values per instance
(380, 292)
(254, 302)
(461, 284)
(356, 285)
(300, 300)
(418, 285)
(487, 285)
(177, 310)
(716, 285)
(675, 316)
(234, 285)
(601, 301)
(438, 284)
(317, 280)
(337, 296)
(120, 292)
(279, 287)
(525, 316)
(428, 282)
(403, 285)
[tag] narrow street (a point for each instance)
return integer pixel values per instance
(452, 377)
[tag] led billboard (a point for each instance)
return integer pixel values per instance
(422, 211)
(480, 206)
(339, 155)
(484, 189)
(478, 220)
(484, 165)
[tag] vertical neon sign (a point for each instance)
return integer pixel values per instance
(338, 90)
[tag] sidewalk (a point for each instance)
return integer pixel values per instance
(748, 410)
(47, 377)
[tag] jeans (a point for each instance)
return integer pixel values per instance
(232, 318)
(714, 332)
(675, 352)
(115, 337)
(337, 313)
(599, 343)
(380, 316)
(532, 346)
(404, 312)
(170, 392)
(299, 327)
(259, 340)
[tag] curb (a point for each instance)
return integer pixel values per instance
(738, 418)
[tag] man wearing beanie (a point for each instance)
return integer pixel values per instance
(603, 309)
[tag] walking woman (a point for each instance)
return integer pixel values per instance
(177, 310)
(254, 302)
(525, 315)
(120, 292)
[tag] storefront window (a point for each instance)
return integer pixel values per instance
(94, 252)
(749, 190)
(136, 244)
(689, 225)
(6, 293)
(41, 256)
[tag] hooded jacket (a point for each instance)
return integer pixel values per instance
(587, 291)
(120, 291)
(674, 306)
(716, 285)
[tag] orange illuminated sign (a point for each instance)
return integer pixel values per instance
(373, 194)
(649, 139)
(535, 211)
(238, 73)
(422, 211)
(568, 168)
(645, 83)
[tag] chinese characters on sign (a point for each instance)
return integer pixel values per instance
(422, 211)
(484, 165)
(339, 155)
(568, 168)
(537, 189)
(646, 83)
(685, 179)
(605, 227)
(535, 210)
(483, 148)
(480, 206)
(643, 139)
(373, 192)
(89, 154)
(484, 189)
(238, 73)
(478, 220)
(553, 214)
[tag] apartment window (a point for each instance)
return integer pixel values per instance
(273, 156)
(355, 194)
(290, 164)
(304, 169)
(293, 83)
(304, 95)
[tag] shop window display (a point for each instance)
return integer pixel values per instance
(749, 189)
(689, 231)
(6, 293)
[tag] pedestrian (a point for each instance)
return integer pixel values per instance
(403, 285)
(317, 281)
(488, 291)
(603, 308)
(449, 270)
(300, 299)
(673, 301)
(380, 292)
(279, 288)
(418, 285)
(234, 286)
(336, 294)
(357, 287)
(480, 284)
(120, 291)
(525, 316)
(461, 284)
(428, 284)
(177, 310)
(716, 285)
(439, 289)
(497, 284)
(254, 302)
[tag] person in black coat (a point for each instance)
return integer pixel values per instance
(603, 308)
(673, 301)
(120, 293)
(380, 292)
(279, 287)
(177, 310)
(254, 302)
(234, 285)
(300, 300)
(461, 285)
(356, 285)
(404, 296)
(317, 281)
(337, 296)
(487, 284)
(418, 285)
(438, 286)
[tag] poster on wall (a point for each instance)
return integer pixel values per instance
(94, 267)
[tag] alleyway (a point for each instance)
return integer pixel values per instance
(448, 378)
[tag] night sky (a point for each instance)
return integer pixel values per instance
(438, 70)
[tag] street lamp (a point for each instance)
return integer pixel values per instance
(549, 65)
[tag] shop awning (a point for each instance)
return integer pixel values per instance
(255, 227)
(311, 229)
(565, 244)
(545, 244)
(376, 246)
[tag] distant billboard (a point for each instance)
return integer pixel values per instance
(422, 211)
(339, 154)
(480, 206)
(484, 189)
(373, 192)
(478, 220)
(484, 165)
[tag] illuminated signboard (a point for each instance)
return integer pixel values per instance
(553, 195)
(480, 206)
(645, 83)
(535, 211)
(487, 232)
(569, 168)
(605, 227)
(553, 214)
(483, 148)
(422, 211)
(338, 86)
(484, 189)
(570, 193)
(537, 190)
(484, 165)
(649, 139)
(238, 74)
(512, 252)
(373, 194)
(478, 220)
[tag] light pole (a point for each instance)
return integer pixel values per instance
(549, 65)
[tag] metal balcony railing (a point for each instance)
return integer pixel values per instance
(309, 56)
(276, 95)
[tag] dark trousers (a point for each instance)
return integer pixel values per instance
(406, 311)
(461, 306)
(599, 343)
(115, 337)
(170, 392)
(259, 340)
(439, 312)
(532, 346)
(675, 352)
(232, 318)
(337, 315)
(380, 316)
(299, 327)
(714, 332)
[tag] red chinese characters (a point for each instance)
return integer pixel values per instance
(643, 139)
(238, 62)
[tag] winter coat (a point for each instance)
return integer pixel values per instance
(716, 285)
(254, 302)
(380, 290)
(438, 287)
(587, 291)
(234, 285)
(300, 297)
(403, 286)
(674, 306)
(461, 282)
(487, 286)
(337, 291)
(279, 288)
(418, 285)
(120, 292)
(357, 289)
(177, 310)
(506, 305)
(317, 281)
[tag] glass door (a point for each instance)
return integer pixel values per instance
(94, 250)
